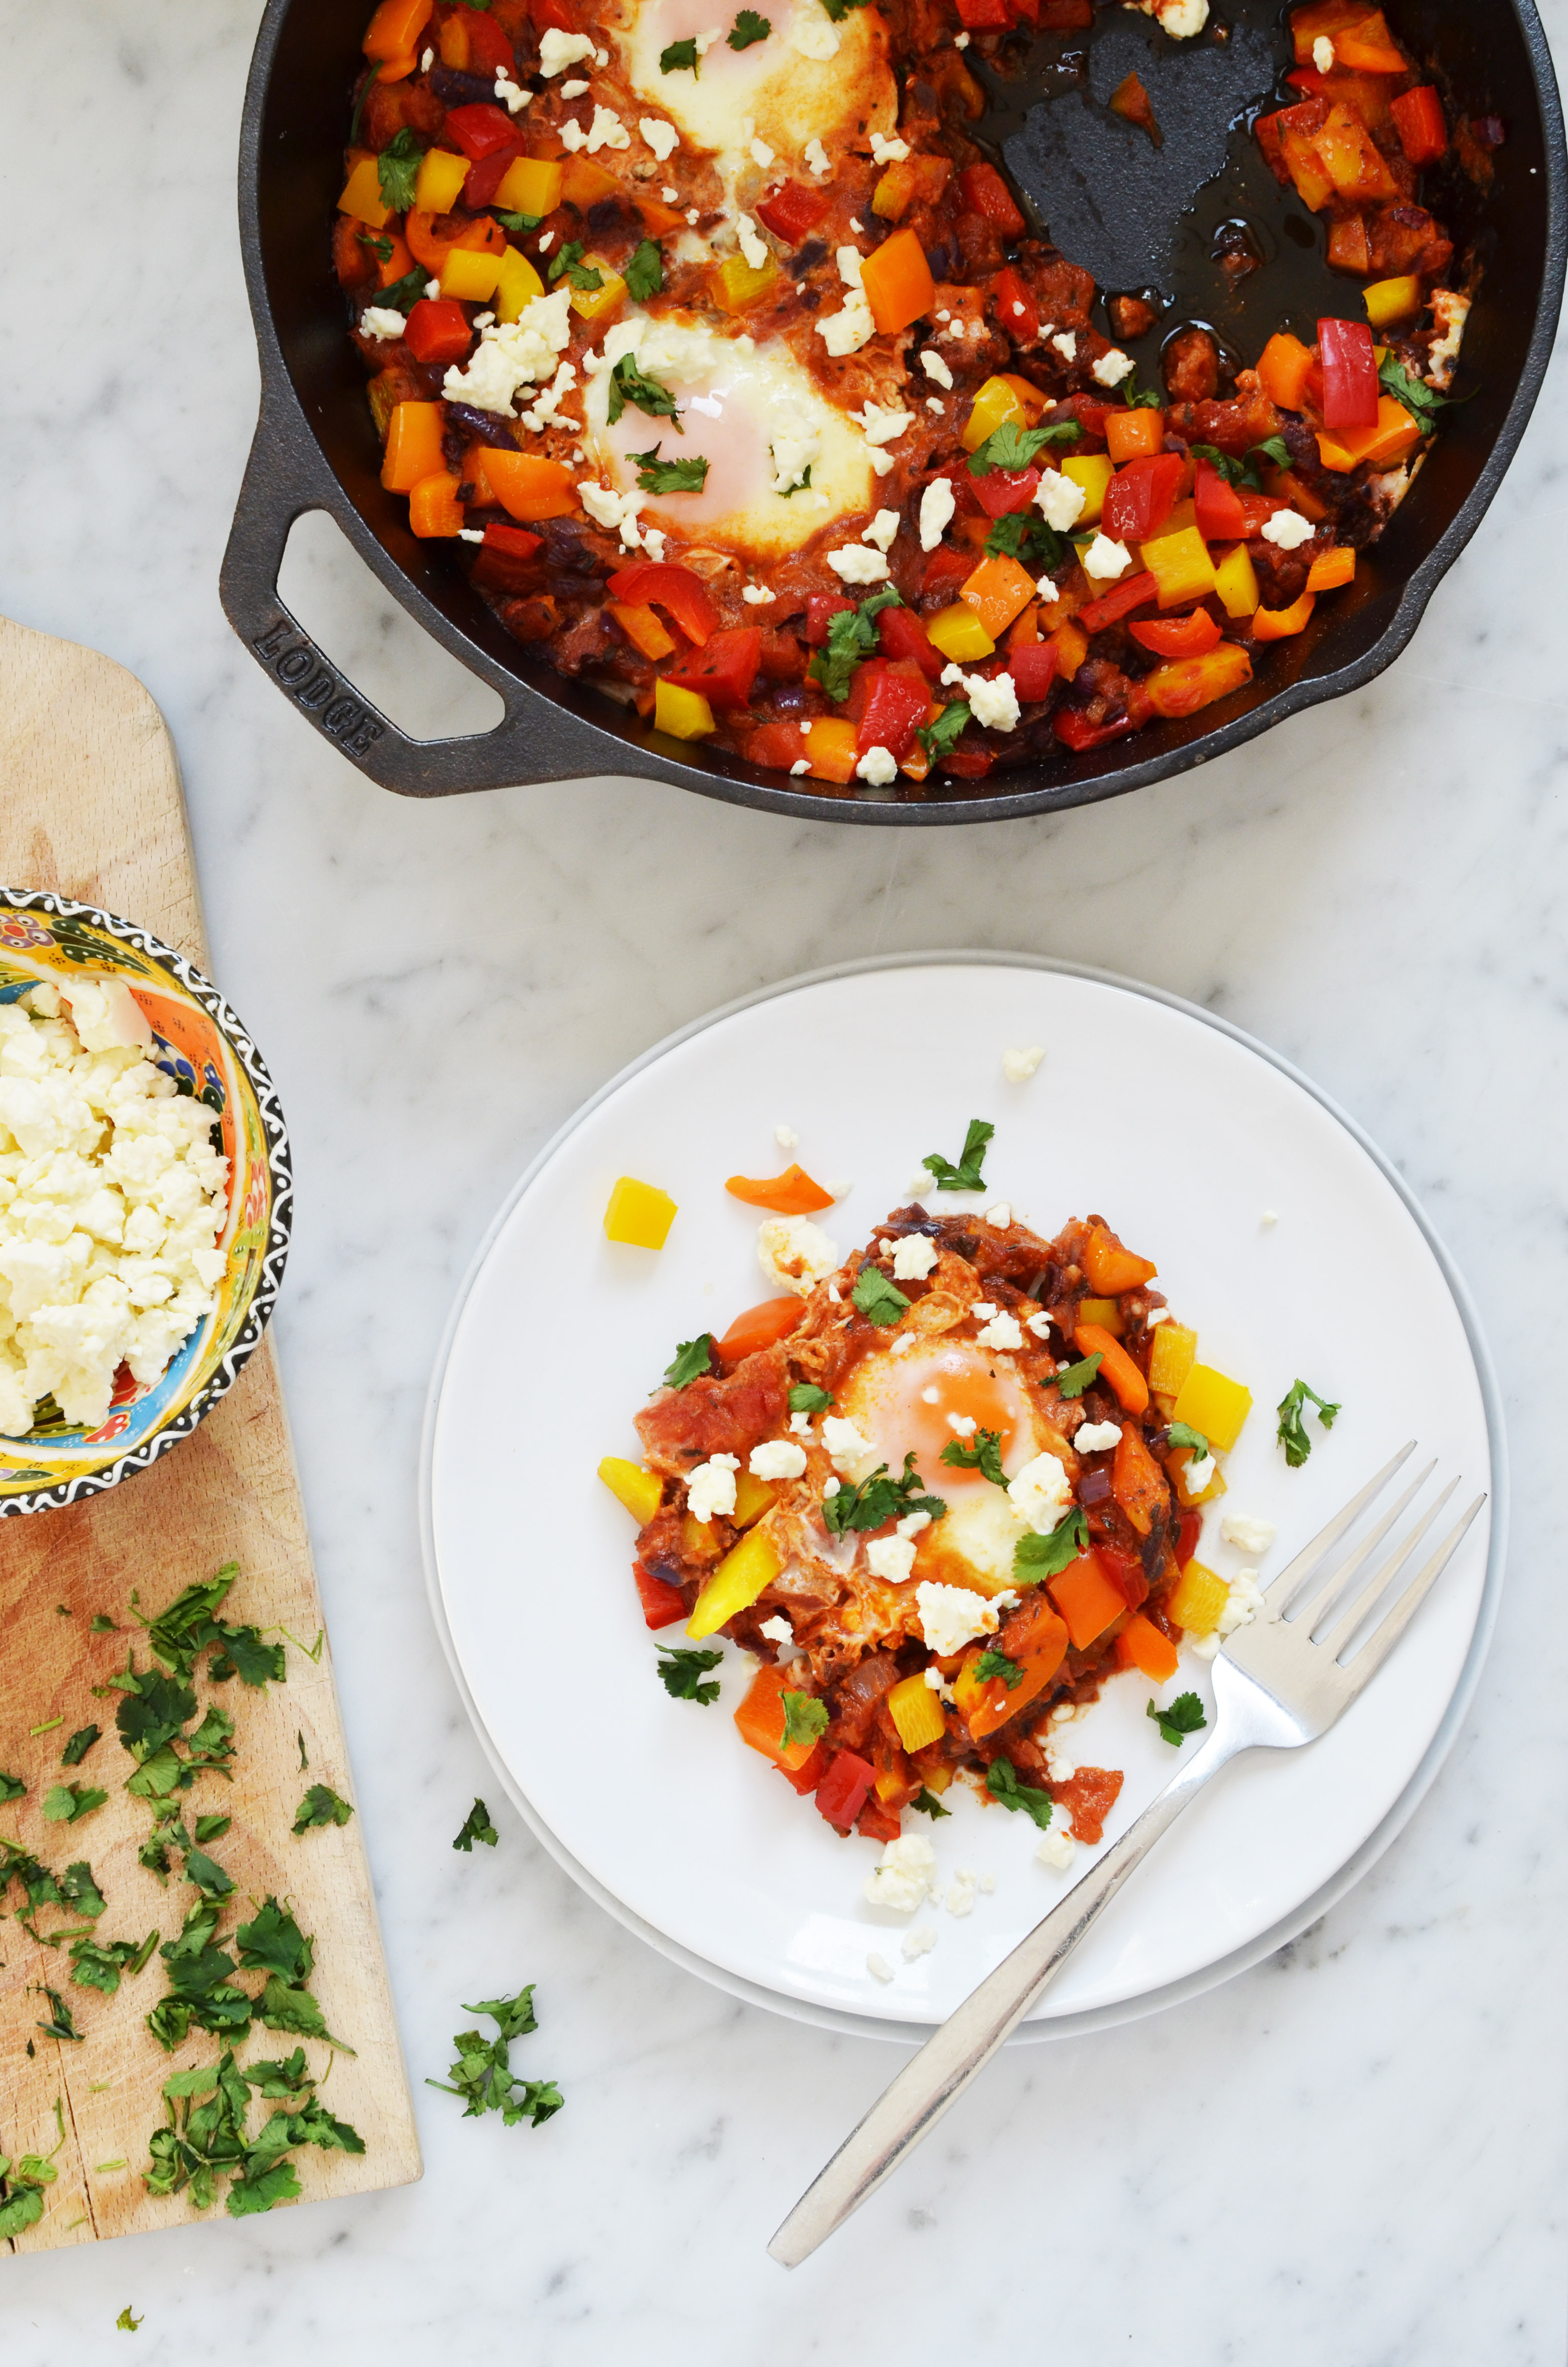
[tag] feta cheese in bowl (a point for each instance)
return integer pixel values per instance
(144, 1198)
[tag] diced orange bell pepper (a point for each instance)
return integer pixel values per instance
(897, 283)
(1368, 46)
(1283, 624)
(758, 1327)
(1137, 1482)
(393, 31)
(1187, 684)
(1112, 1268)
(433, 506)
(419, 228)
(830, 748)
(793, 1194)
(1283, 369)
(1141, 1645)
(642, 627)
(361, 200)
(584, 183)
(1117, 1367)
(1395, 434)
(1087, 1598)
(1072, 646)
(529, 486)
(1035, 1640)
(1134, 433)
(760, 1719)
(1335, 568)
(998, 590)
(414, 445)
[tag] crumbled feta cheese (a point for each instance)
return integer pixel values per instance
(960, 41)
(514, 98)
(963, 1425)
(380, 320)
(994, 702)
(913, 1258)
(937, 505)
(1289, 529)
(851, 263)
(557, 51)
(694, 215)
(1156, 1315)
(903, 1875)
(882, 528)
(951, 1617)
(1323, 54)
(846, 332)
(711, 1487)
(800, 765)
(471, 534)
(1056, 1848)
(961, 1892)
(1251, 1535)
(663, 139)
(1002, 1331)
(795, 1254)
(753, 246)
(905, 1340)
(851, 1453)
(855, 564)
(1198, 1473)
(1060, 1764)
(1180, 18)
(878, 766)
(934, 367)
(1060, 501)
(879, 1967)
(892, 1559)
(1096, 1437)
(888, 151)
(706, 41)
(778, 1630)
(1105, 559)
(511, 354)
(1066, 344)
(831, 1487)
(931, 1395)
(880, 425)
(1269, 1217)
(1042, 1493)
(426, 60)
(757, 595)
(801, 1424)
(609, 508)
(777, 1458)
(605, 131)
(761, 154)
(1112, 368)
(817, 158)
(671, 197)
(918, 1943)
(1000, 1216)
(1038, 1324)
(920, 1183)
(785, 1137)
(796, 443)
(576, 90)
(1020, 1066)
(813, 37)
(1242, 1604)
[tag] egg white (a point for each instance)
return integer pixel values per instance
(785, 98)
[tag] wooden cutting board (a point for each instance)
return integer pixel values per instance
(90, 803)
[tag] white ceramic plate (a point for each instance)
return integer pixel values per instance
(1183, 1134)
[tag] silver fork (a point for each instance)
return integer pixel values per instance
(1278, 1683)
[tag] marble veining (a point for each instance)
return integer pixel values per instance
(1354, 2152)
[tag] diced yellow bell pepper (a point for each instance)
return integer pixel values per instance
(958, 634)
(1180, 566)
(517, 285)
(1393, 300)
(699, 1539)
(740, 1578)
(917, 1711)
(829, 748)
(1236, 580)
(1177, 1468)
(470, 275)
(752, 1497)
(592, 303)
(1170, 1358)
(531, 185)
(684, 714)
(1105, 1312)
(362, 198)
(999, 400)
(439, 183)
(1217, 1406)
(736, 284)
(637, 1490)
(640, 1214)
(1093, 472)
(1197, 1600)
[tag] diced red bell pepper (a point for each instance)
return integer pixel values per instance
(982, 190)
(1032, 665)
(984, 16)
(903, 635)
(821, 608)
(841, 1795)
(1189, 1528)
(1220, 518)
(1073, 729)
(438, 332)
(808, 1775)
(970, 760)
(792, 211)
(1256, 511)
(1141, 497)
(662, 1604)
(1178, 637)
(947, 568)
(1017, 311)
(485, 177)
(1121, 1564)
(1001, 491)
(661, 584)
(1350, 374)
(724, 671)
(877, 1822)
(488, 49)
(516, 540)
(479, 130)
(549, 12)
(1090, 414)
(895, 711)
(1419, 117)
(1118, 601)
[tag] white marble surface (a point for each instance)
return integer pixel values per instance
(1355, 2152)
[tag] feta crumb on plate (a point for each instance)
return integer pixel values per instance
(1056, 1848)
(905, 1875)
(918, 1943)
(1252, 1536)
(795, 1255)
(879, 1967)
(1018, 1067)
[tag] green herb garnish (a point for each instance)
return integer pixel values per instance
(98, 1964)
(966, 1176)
(1028, 540)
(680, 58)
(397, 169)
(13, 1788)
(681, 1671)
(321, 1806)
(1184, 1717)
(569, 259)
(1422, 401)
(520, 225)
(644, 274)
(993, 1663)
(749, 27)
(880, 1499)
(476, 1827)
(806, 1398)
(927, 1803)
(984, 1456)
(939, 739)
(851, 636)
(1001, 1783)
(802, 483)
(691, 1357)
(656, 476)
(839, 9)
(1181, 1433)
(1076, 1378)
(482, 2074)
(1036, 1558)
(67, 1804)
(1141, 398)
(879, 1299)
(81, 1742)
(627, 384)
(1292, 1434)
(404, 293)
(126, 2323)
(1011, 447)
(804, 1718)
(381, 246)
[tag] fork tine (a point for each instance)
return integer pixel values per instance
(1334, 1643)
(1378, 1647)
(1313, 1614)
(1281, 1587)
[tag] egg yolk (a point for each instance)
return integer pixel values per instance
(902, 1404)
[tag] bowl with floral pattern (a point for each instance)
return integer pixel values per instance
(188, 1033)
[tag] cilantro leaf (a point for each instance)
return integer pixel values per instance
(1182, 1433)
(1001, 1783)
(993, 1663)
(154, 1710)
(404, 293)
(656, 476)
(243, 1654)
(1422, 401)
(321, 1806)
(212, 1829)
(879, 1299)
(1012, 447)
(512, 2016)
(879, 1498)
(476, 1827)
(966, 1176)
(851, 636)
(126, 2323)
(805, 1719)
(984, 1456)
(274, 1940)
(1291, 1434)
(680, 58)
(1181, 1717)
(518, 224)
(102, 1625)
(483, 2075)
(644, 274)
(839, 9)
(1234, 471)
(939, 739)
(397, 169)
(1076, 1378)
(207, 1874)
(257, 2189)
(60, 2025)
(749, 27)
(76, 1888)
(1029, 539)
(66, 1804)
(928, 1804)
(583, 275)
(294, 2012)
(627, 384)
(691, 1356)
(1036, 1558)
(681, 1670)
(1141, 398)
(81, 1742)
(13, 1788)
(98, 1966)
(22, 2209)
(1274, 448)
(806, 1398)
(277, 2079)
(381, 246)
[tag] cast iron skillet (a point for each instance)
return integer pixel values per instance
(1137, 216)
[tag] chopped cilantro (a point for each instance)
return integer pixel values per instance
(274, 1940)
(627, 384)
(644, 274)
(993, 1663)
(748, 28)
(102, 1625)
(205, 2137)
(879, 1299)
(321, 1806)
(207, 1874)
(518, 224)
(1035, 1557)
(13, 1788)
(804, 1719)
(189, 1624)
(691, 1357)
(851, 636)
(1422, 401)
(77, 1890)
(125, 2323)
(656, 476)
(1182, 1718)
(681, 1670)
(1001, 1783)
(397, 169)
(680, 58)
(96, 1964)
(1012, 447)
(966, 1176)
(67, 1804)
(1182, 1433)
(381, 246)
(1029, 539)
(927, 1805)
(806, 1398)
(60, 2024)
(476, 1827)
(1076, 1378)
(404, 293)
(211, 1828)
(482, 2074)
(25, 2180)
(582, 276)
(984, 1456)
(1234, 471)
(839, 9)
(1274, 448)
(81, 1742)
(1292, 1434)
(880, 1499)
(938, 739)
(1139, 398)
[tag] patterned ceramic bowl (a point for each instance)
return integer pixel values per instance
(199, 1041)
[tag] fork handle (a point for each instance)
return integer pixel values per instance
(956, 2054)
